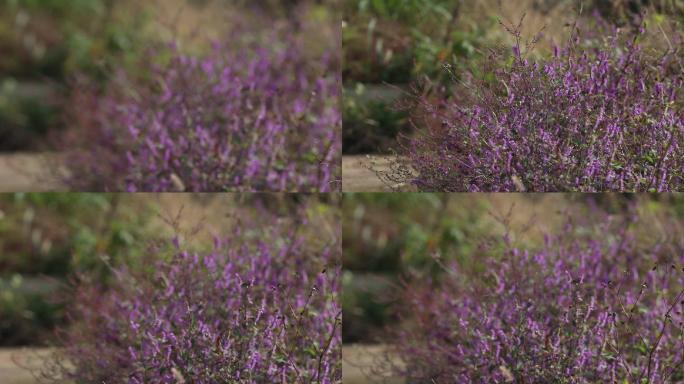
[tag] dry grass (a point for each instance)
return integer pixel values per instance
(195, 23)
(552, 18)
(199, 217)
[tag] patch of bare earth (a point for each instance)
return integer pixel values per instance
(16, 364)
(360, 174)
(360, 365)
(28, 172)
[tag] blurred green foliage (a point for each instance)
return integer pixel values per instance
(369, 124)
(388, 236)
(623, 11)
(45, 239)
(44, 43)
(27, 313)
(396, 41)
(52, 38)
(403, 232)
(400, 42)
(23, 117)
(54, 233)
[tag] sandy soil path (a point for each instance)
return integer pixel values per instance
(12, 361)
(25, 172)
(357, 361)
(356, 177)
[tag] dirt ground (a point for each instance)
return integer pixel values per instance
(25, 172)
(357, 177)
(358, 360)
(12, 361)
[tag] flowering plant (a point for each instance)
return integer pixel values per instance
(249, 119)
(259, 307)
(589, 306)
(603, 113)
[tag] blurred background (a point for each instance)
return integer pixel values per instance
(395, 48)
(49, 241)
(392, 239)
(47, 45)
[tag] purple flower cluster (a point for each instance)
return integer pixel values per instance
(585, 308)
(605, 112)
(252, 310)
(247, 119)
